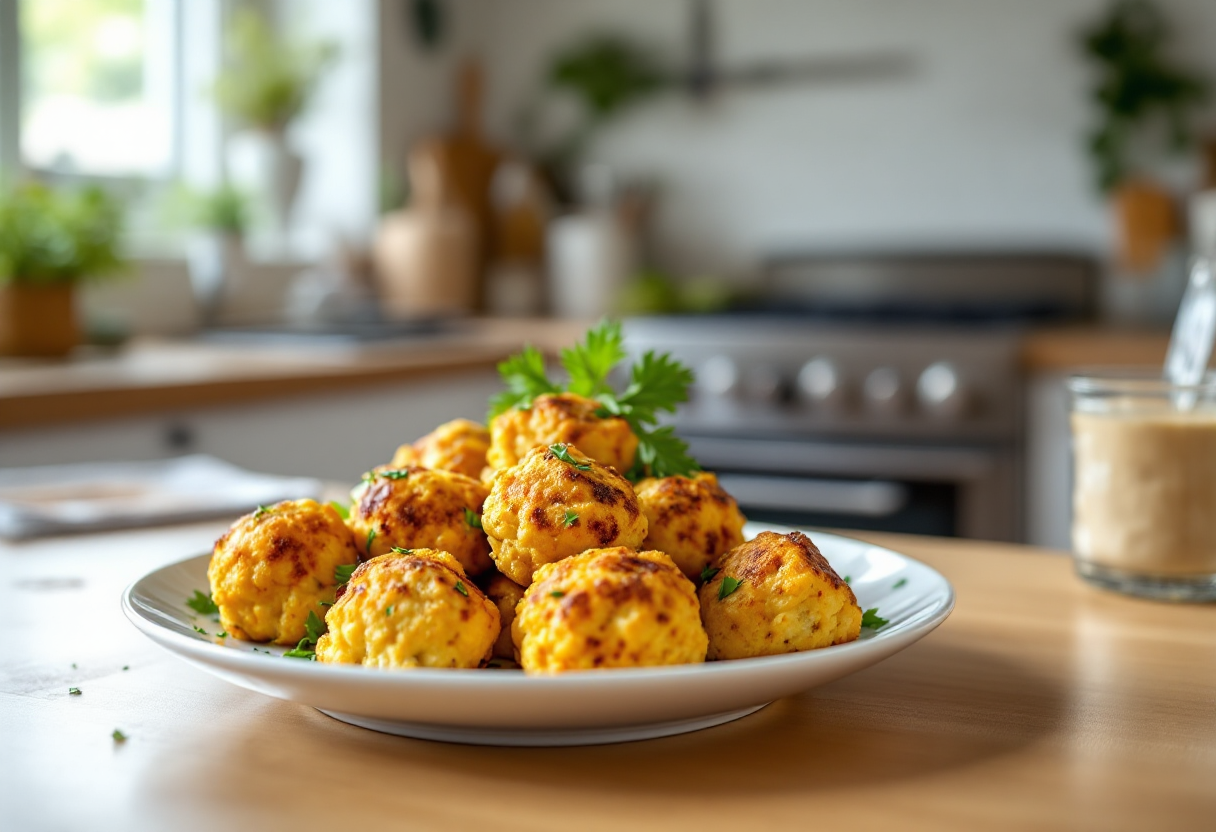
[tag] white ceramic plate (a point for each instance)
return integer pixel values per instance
(506, 707)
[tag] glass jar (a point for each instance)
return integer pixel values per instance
(1144, 484)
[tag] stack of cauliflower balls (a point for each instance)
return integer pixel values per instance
(525, 545)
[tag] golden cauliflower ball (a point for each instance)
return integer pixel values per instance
(556, 503)
(459, 446)
(505, 594)
(416, 508)
(563, 418)
(276, 565)
(410, 610)
(691, 519)
(790, 599)
(609, 608)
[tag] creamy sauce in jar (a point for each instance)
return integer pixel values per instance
(1144, 493)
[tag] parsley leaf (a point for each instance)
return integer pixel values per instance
(73, 691)
(126, 667)
(301, 651)
(870, 619)
(848, 579)
(472, 518)
(389, 610)
(570, 519)
(257, 515)
(118, 736)
(394, 474)
(899, 583)
(343, 572)
(401, 551)
(202, 604)
(371, 536)
(590, 361)
(658, 384)
(557, 593)
(221, 634)
(524, 375)
(561, 452)
(200, 630)
(460, 587)
(728, 586)
(661, 454)
(314, 626)
(707, 574)
(343, 511)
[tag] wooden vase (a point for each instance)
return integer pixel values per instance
(1148, 224)
(38, 321)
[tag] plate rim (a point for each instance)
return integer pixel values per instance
(210, 654)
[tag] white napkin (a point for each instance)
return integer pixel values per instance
(55, 499)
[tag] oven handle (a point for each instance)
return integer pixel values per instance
(871, 498)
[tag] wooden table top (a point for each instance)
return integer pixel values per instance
(1040, 704)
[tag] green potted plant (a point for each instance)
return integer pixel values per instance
(266, 82)
(50, 241)
(1146, 105)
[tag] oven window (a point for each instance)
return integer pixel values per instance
(863, 504)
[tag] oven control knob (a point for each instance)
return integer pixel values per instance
(820, 383)
(940, 390)
(884, 390)
(763, 383)
(718, 376)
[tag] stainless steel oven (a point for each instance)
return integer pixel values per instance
(877, 394)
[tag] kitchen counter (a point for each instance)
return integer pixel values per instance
(155, 376)
(1042, 704)
(150, 376)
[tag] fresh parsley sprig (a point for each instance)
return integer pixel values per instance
(202, 604)
(871, 620)
(657, 384)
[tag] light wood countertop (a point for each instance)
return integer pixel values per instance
(157, 376)
(150, 376)
(1040, 704)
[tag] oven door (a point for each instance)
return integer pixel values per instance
(958, 491)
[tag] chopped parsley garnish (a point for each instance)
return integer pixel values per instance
(389, 610)
(126, 667)
(118, 736)
(472, 518)
(561, 452)
(899, 583)
(200, 630)
(314, 626)
(460, 587)
(73, 691)
(343, 511)
(388, 474)
(301, 651)
(557, 593)
(870, 619)
(848, 579)
(73, 665)
(343, 572)
(728, 586)
(326, 603)
(221, 634)
(200, 603)
(262, 510)
(371, 536)
(658, 383)
(707, 574)
(401, 551)
(570, 520)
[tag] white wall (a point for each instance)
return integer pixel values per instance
(980, 146)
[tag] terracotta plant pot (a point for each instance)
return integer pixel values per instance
(1148, 223)
(37, 321)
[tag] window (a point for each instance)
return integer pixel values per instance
(98, 84)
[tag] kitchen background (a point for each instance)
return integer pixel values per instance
(663, 156)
